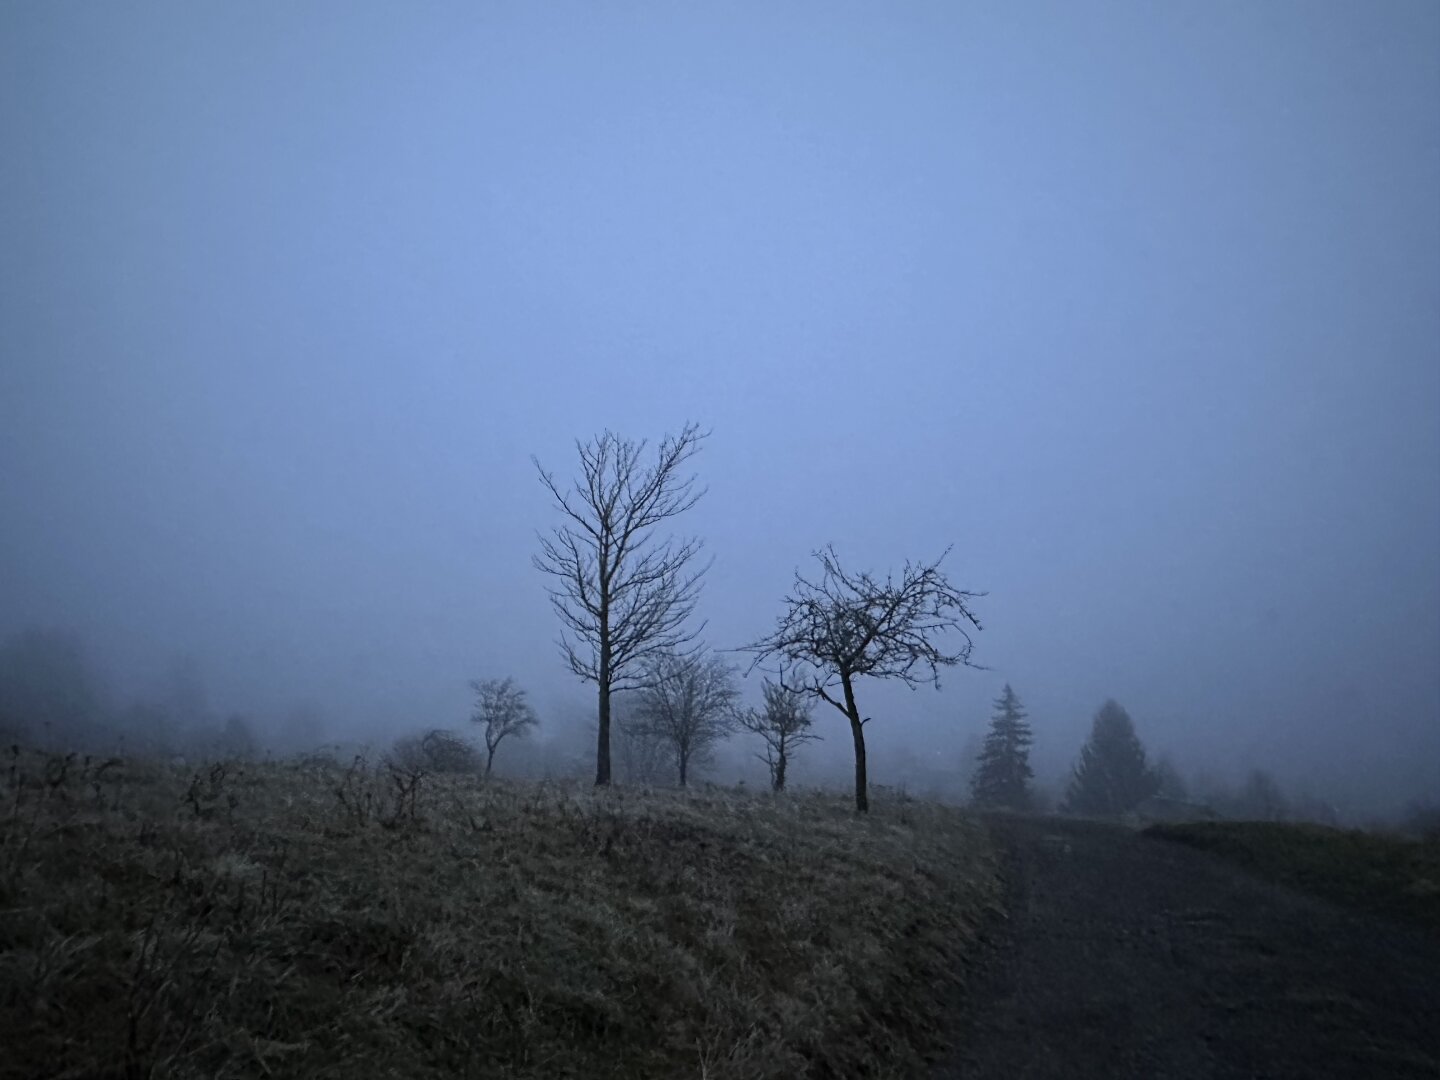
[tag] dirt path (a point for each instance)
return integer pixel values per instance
(1126, 956)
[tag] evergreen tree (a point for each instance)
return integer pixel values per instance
(1111, 777)
(1003, 771)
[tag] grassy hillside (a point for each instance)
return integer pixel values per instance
(1391, 875)
(325, 921)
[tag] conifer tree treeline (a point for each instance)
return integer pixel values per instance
(1003, 773)
(1112, 777)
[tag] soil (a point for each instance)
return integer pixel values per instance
(1127, 956)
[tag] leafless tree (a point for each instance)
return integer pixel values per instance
(501, 709)
(624, 594)
(784, 723)
(844, 625)
(689, 703)
(644, 756)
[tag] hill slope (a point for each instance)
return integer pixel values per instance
(327, 921)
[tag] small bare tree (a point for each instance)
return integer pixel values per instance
(688, 702)
(845, 625)
(784, 723)
(643, 755)
(501, 709)
(624, 594)
(437, 751)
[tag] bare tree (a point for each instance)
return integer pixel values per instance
(624, 594)
(845, 625)
(689, 703)
(644, 755)
(436, 751)
(501, 708)
(784, 723)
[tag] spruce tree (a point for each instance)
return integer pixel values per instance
(1111, 777)
(1003, 772)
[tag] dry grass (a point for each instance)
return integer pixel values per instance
(313, 920)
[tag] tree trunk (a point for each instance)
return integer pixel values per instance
(779, 784)
(602, 746)
(602, 743)
(490, 758)
(857, 729)
(684, 762)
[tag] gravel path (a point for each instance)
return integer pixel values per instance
(1125, 956)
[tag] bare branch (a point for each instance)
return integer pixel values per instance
(855, 624)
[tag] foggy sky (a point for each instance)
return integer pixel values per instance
(1136, 305)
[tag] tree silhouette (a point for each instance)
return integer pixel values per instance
(844, 625)
(1002, 777)
(688, 704)
(784, 724)
(623, 594)
(501, 710)
(1111, 777)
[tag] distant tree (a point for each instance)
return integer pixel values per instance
(1212, 790)
(448, 751)
(688, 703)
(784, 723)
(438, 750)
(846, 625)
(643, 754)
(406, 752)
(1003, 776)
(624, 595)
(1169, 784)
(970, 760)
(1261, 799)
(502, 711)
(1111, 777)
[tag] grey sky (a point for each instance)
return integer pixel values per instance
(1138, 305)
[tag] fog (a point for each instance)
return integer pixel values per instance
(1137, 307)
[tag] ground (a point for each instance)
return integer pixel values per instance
(339, 920)
(1129, 955)
(325, 919)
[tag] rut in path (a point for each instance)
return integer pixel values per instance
(1126, 956)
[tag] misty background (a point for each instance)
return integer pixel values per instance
(1137, 306)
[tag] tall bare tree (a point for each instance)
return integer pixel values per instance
(688, 702)
(784, 723)
(624, 594)
(844, 625)
(501, 710)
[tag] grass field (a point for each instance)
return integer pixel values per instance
(324, 920)
(1389, 875)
